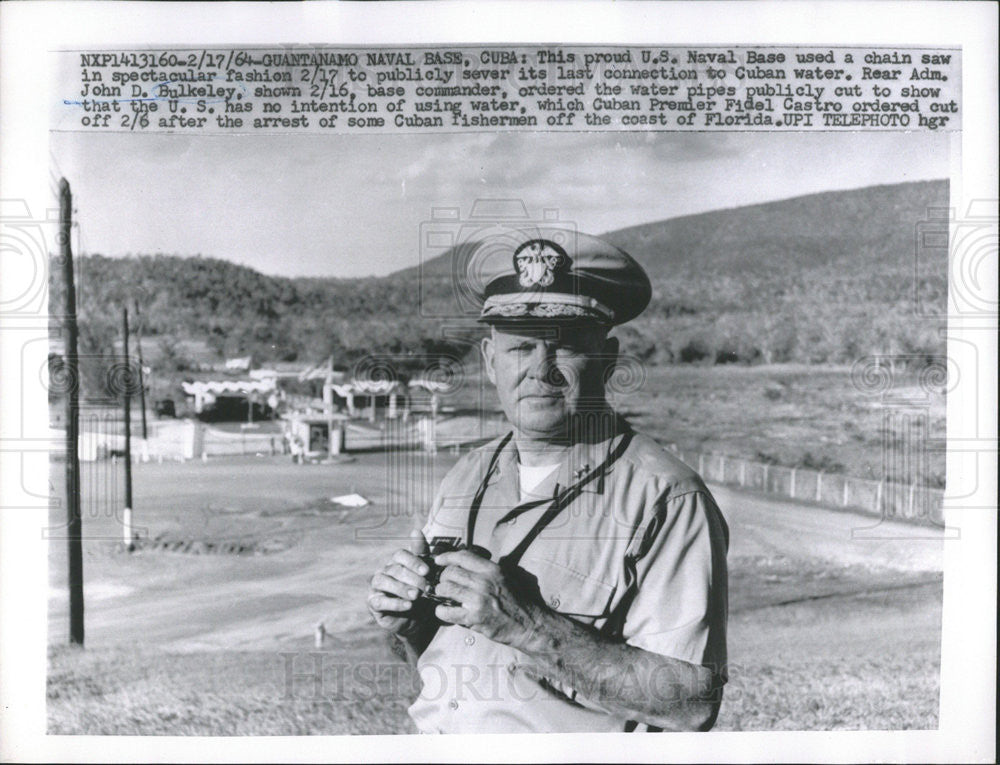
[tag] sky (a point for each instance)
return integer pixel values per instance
(347, 206)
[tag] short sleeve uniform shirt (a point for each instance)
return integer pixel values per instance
(639, 554)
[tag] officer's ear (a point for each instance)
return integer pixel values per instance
(488, 348)
(611, 350)
(608, 357)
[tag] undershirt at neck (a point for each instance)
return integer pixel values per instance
(530, 476)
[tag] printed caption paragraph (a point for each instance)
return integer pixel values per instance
(355, 90)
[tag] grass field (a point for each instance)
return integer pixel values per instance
(835, 673)
(795, 415)
(825, 632)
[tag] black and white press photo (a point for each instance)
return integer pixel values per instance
(515, 388)
(318, 386)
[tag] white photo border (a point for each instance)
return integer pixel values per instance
(29, 30)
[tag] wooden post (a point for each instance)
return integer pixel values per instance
(819, 486)
(74, 521)
(319, 636)
(328, 399)
(791, 491)
(127, 531)
(142, 382)
(333, 448)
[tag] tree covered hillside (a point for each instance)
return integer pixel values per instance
(824, 278)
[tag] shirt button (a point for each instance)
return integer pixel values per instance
(554, 602)
(512, 667)
(470, 639)
(453, 704)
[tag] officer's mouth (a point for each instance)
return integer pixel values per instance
(541, 397)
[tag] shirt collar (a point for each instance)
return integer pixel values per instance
(583, 456)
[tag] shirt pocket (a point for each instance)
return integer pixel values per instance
(569, 592)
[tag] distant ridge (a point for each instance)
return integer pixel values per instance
(793, 232)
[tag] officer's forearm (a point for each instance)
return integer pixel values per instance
(634, 683)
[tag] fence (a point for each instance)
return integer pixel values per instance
(886, 499)
(220, 443)
(103, 437)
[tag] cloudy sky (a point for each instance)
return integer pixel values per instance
(352, 205)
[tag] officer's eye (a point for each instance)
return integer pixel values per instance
(570, 351)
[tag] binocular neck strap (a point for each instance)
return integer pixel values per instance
(477, 500)
(562, 500)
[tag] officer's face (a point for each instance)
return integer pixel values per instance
(544, 376)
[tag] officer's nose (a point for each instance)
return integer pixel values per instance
(538, 363)
(543, 369)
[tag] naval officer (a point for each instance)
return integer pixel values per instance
(590, 590)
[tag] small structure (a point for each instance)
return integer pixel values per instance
(315, 436)
(368, 395)
(240, 364)
(164, 407)
(226, 395)
(357, 394)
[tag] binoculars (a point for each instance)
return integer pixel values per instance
(437, 546)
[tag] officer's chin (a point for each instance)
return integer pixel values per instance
(541, 420)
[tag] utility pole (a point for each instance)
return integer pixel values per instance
(74, 521)
(127, 377)
(142, 374)
(333, 447)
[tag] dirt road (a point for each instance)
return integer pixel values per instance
(185, 601)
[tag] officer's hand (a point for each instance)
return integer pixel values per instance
(489, 604)
(396, 586)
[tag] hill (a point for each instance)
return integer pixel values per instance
(824, 278)
(800, 232)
